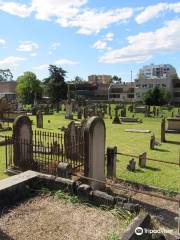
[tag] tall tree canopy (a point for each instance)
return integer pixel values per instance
(55, 85)
(157, 97)
(28, 86)
(5, 75)
(115, 79)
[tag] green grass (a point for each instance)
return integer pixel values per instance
(158, 174)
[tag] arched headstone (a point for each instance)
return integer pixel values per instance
(23, 148)
(94, 151)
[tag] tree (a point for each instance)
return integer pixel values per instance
(115, 79)
(157, 97)
(6, 75)
(28, 86)
(55, 85)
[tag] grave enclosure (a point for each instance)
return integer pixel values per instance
(81, 147)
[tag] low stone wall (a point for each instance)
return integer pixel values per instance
(136, 230)
(19, 187)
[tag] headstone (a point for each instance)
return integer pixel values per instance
(163, 130)
(39, 119)
(64, 170)
(111, 161)
(116, 119)
(23, 147)
(94, 151)
(69, 114)
(152, 142)
(142, 160)
(173, 125)
(69, 106)
(132, 165)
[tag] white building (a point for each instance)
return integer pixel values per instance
(162, 76)
(161, 71)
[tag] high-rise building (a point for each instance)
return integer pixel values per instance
(157, 71)
(161, 76)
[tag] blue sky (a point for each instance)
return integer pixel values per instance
(87, 37)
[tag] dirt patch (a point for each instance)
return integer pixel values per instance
(48, 218)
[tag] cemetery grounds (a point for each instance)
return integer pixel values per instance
(161, 175)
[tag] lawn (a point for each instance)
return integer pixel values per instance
(157, 174)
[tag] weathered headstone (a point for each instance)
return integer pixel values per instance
(163, 130)
(111, 161)
(94, 151)
(69, 114)
(132, 165)
(39, 119)
(69, 105)
(152, 142)
(23, 148)
(116, 119)
(142, 160)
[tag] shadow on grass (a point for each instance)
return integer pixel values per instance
(161, 150)
(152, 168)
(173, 142)
(4, 236)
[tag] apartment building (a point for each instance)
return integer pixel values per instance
(162, 76)
(121, 92)
(99, 79)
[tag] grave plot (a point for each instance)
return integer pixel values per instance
(45, 217)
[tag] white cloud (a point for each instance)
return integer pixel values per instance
(144, 45)
(41, 67)
(154, 11)
(109, 36)
(69, 13)
(11, 61)
(14, 8)
(93, 21)
(27, 46)
(2, 41)
(55, 45)
(33, 54)
(45, 10)
(65, 62)
(100, 44)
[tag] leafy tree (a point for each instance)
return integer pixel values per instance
(6, 75)
(116, 79)
(28, 86)
(55, 85)
(157, 97)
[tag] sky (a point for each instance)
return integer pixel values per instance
(87, 37)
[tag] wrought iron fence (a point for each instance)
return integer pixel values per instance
(44, 152)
